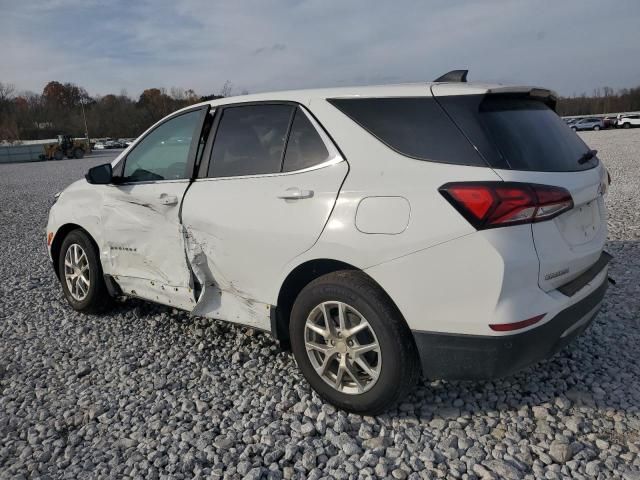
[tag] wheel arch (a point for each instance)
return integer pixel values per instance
(58, 238)
(293, 284)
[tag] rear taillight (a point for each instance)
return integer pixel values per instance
(498, 204)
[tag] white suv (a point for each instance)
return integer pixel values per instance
(448, 229)
(629, 120)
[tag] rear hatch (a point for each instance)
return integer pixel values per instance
(524, 140)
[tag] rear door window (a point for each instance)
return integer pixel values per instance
(530, 136)
(305, 148)
(250, 140)
(416, 127)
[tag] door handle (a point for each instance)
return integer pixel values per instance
(295, 193)
(166, 199)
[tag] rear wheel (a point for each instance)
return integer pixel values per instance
(574, 129)
(78, 153)
(596, 128)
(80, 273)
(352, 344)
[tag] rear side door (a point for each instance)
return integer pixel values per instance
(264, 198)
(143, 241)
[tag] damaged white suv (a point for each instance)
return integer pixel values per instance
(450, 229)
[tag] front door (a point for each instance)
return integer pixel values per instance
(144, 245)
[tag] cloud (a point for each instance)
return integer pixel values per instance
(571, 46)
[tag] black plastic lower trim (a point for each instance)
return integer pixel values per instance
(574, 286)
(478, 357)
(112, 286)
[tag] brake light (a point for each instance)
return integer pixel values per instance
(498, 204)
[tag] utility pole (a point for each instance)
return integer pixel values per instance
(86, 129)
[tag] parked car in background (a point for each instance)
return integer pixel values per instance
(129, 141)
(110, 144)
(629, 120)
(99, 146)
(381, 232)
(591, 123)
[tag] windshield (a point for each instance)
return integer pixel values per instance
(531, 136)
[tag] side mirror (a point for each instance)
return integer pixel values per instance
(100, 175)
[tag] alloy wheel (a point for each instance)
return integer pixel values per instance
(342, 347)
(76, 272)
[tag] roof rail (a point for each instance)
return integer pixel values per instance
(453, 76)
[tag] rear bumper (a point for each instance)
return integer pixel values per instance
(476, 357)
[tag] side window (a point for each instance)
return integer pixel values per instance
(414, 127)
(163, 154)
(305, 148)
(250, 140)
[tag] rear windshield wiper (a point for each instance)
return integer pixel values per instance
(586, 156)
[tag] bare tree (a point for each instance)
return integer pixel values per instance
(6, 91)
(226, 90)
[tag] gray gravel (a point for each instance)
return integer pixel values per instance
(148, 392)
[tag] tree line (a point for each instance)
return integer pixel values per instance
(605, 100)
(65, 107)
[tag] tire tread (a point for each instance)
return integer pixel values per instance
(365, 286)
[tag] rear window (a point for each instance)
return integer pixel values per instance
(416, 127)
(528, 135)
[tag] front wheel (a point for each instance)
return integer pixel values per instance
(596, 128)
(80, 273)
(626, 125)
(352, 344)
(78, 153)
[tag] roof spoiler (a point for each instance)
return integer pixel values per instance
(459, 76)
(545, 95)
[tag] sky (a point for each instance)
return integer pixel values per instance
(571, 46)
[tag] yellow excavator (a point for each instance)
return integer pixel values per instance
(65, 147)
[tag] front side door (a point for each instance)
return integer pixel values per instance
(144, 245)
(272, 181)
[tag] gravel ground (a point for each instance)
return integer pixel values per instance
(148, 392)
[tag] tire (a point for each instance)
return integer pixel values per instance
(78, 153)
(626, 125)
(596, 128)
(574, 129)
(92, 298)
(58, 155)
(395, 361)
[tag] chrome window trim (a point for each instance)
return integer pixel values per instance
(332, 161)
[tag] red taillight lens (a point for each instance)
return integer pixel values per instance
(477, 200)
(509, 327)
(497, 204)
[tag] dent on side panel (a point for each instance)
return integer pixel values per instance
(143, 245)
(218, 297)
(143, 240)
